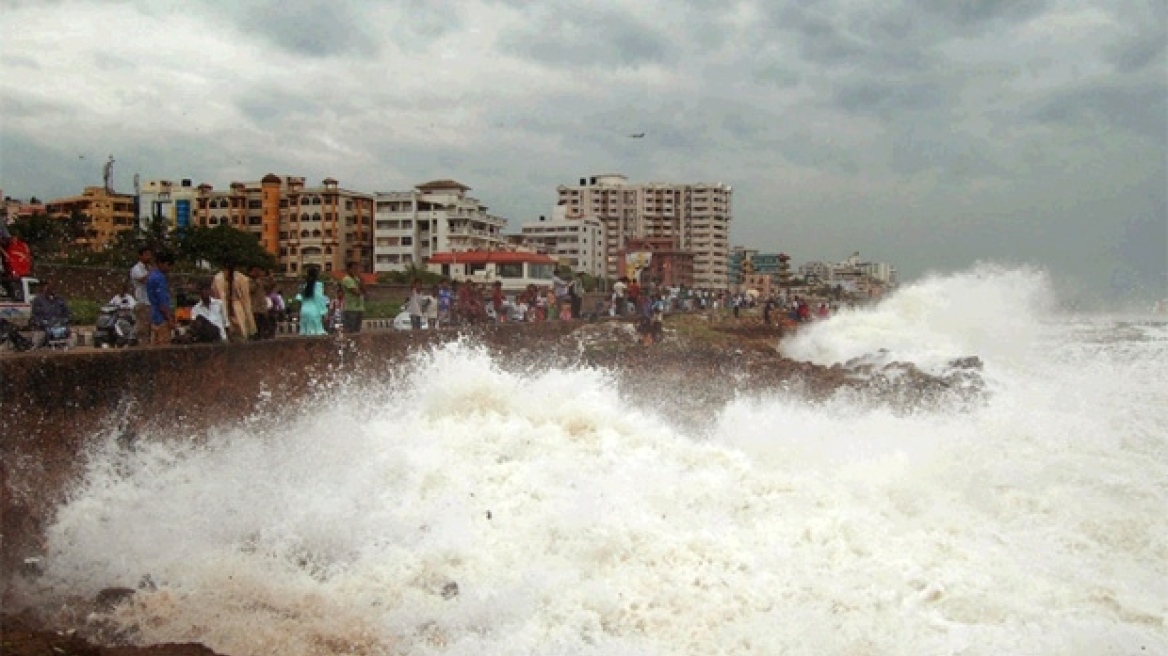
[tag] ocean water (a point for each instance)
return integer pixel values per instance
(459, 507)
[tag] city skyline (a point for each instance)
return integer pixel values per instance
(933, 137)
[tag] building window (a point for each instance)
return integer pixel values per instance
(316, 217)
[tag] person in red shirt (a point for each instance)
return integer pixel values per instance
(17, 263)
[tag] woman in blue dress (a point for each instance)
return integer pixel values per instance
(313, 304)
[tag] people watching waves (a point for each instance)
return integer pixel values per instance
(354, 293)
(138, 275)
(415, 304)
(313, 304)
(208, 318)
(125, 299)
(162, 320)
(48, 307)
(234, 289)
(261, 305)
(15, 263)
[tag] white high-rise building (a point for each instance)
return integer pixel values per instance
(435, 217)
(579, 243)
(695, 216)
(177, 203)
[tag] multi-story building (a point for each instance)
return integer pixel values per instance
(175, 203)
(14, 209)
(657, 262)
(324, 226)
(852, 275)
(820, 271)
(695, 216)
(578, 243)
(434, 217)
(108, 213)
(735, 262)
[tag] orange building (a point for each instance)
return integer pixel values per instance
(324, 226)
(109, 213)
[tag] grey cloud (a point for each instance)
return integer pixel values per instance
(889, 98)
(950, 154)
(891, 41)
(10, 60)
(265, 104)
(1135, 54)
(317, 28)
(978, 13)
(111, 62)
(584, 37)
(13, 106)
(1139, 108)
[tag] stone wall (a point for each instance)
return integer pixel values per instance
(53, 403)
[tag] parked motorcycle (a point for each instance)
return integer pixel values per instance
(115, 327)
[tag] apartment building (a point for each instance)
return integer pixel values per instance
(434, 217)
(174, 202)
(108, 212)
(578, 243)
(696, 217)
(324, 226)
(853, 274)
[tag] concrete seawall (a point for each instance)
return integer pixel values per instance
(52, 404)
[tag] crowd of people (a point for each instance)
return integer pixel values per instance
(234, 306)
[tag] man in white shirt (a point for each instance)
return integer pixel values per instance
(618, 297)
(138, 275)
(124, 300)
(208, 318)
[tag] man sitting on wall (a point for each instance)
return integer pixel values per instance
(208, 318)
(49, 308)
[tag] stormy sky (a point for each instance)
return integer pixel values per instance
(927, 134)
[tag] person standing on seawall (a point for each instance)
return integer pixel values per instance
(138, 275)
(158, 300)
(234, 289)
(261, 306)
(313, 304)
(414, 305)
(354, 290)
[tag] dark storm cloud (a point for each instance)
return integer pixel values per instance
(1138, 108)
(890, 99)
(316, 28)
(1136, 53)
(582, 36)
(263, 105)
(13, 107)
(978, 14)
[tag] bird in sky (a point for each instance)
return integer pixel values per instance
(637, 135)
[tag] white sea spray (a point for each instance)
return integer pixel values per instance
(461, 508)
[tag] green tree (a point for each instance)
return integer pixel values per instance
(409, 274)
(43, 234)
(222, 244)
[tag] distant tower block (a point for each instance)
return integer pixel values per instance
(784, 269)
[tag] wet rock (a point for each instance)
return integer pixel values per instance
(110, 598)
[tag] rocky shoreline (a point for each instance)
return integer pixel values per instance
(713, 360)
